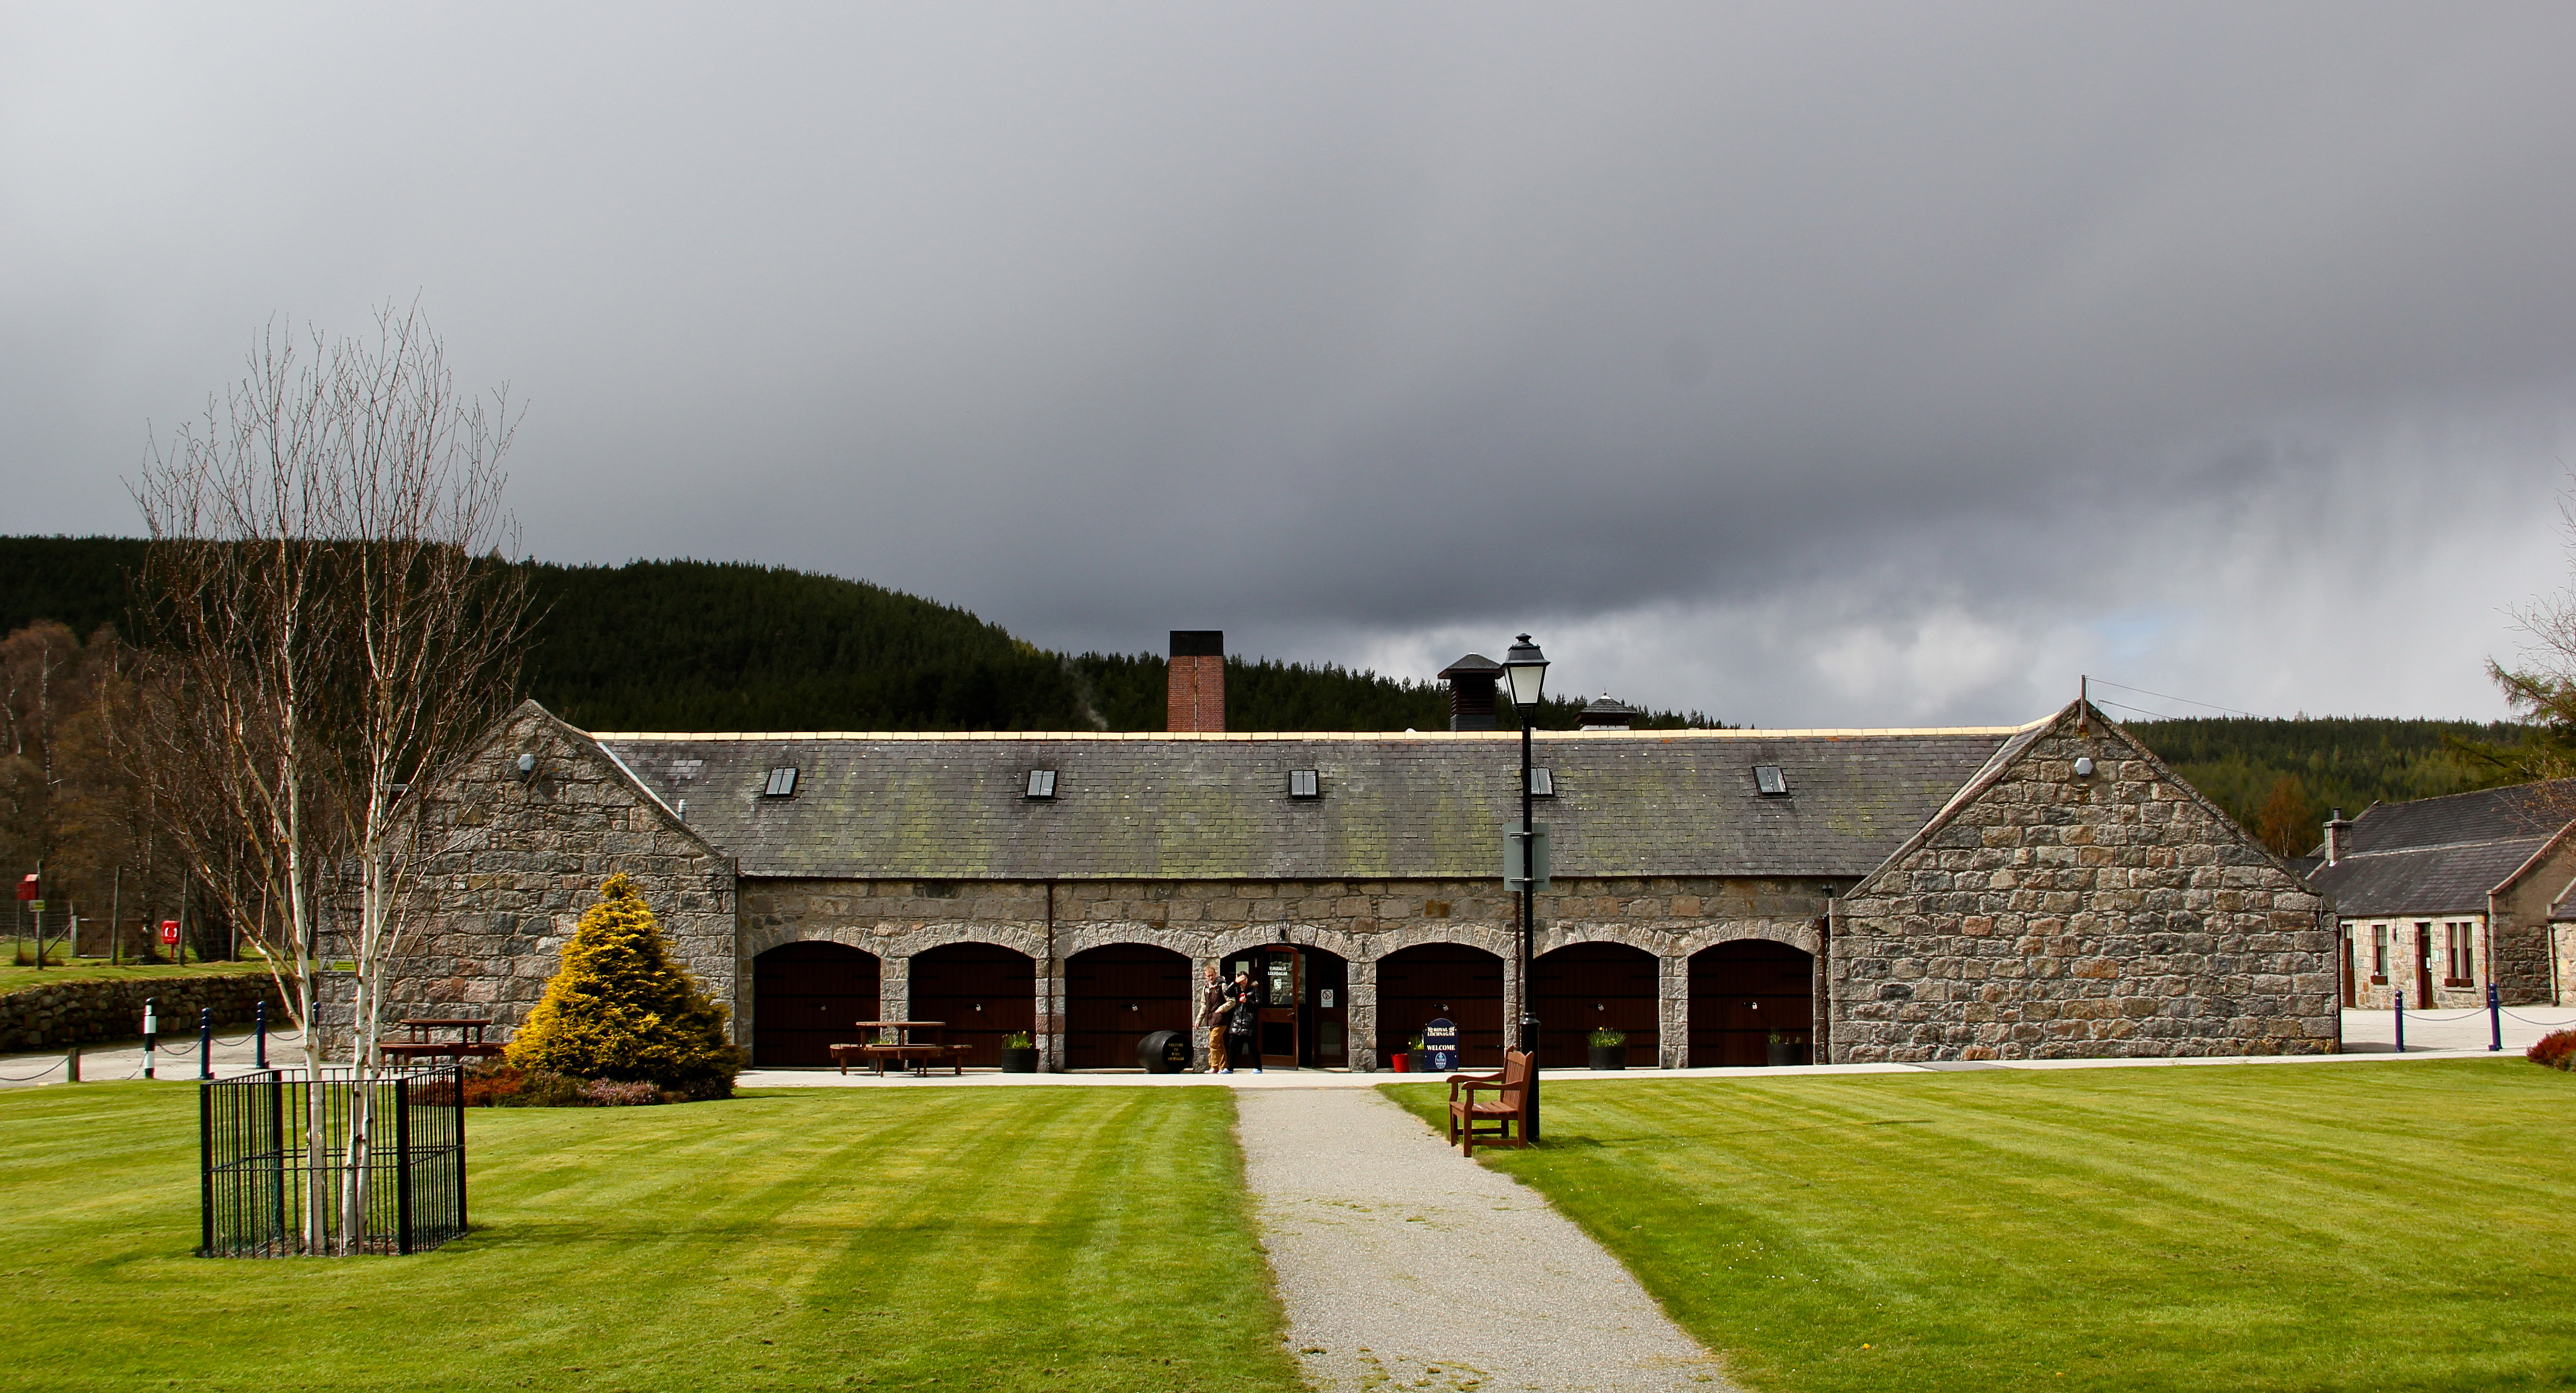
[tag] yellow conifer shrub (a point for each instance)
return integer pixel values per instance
(620, 1008)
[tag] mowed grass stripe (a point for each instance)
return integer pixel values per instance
(2262, 1227)
(983, 1238)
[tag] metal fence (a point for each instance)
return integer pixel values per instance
(275, 1147)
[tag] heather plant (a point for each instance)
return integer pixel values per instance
(620, 1009)
(2557, 1049)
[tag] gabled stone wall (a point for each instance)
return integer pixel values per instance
(2052, 915)
(516, 860)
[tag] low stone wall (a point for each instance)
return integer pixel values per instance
(85, 1012)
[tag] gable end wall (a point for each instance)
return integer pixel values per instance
(2054, 917)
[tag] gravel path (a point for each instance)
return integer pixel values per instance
(1403, 1265)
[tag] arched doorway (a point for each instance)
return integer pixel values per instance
(1117, 995)
(1425, 983)
(1590, 986)
(808, 997)
(1745, 992)
(984, 991)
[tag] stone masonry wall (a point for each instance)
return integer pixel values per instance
(85, 1012)
(519, 859)
(2055, 916)
(1361, 921)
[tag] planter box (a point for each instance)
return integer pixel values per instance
(1608, 1056)
(1020, 1061)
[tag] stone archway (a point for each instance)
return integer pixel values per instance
(1116, 995)
(1451, 980)
(1744, 992)
(1587, 986)
(983, 991)
(808, 997)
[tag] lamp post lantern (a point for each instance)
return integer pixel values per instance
(1525, 678)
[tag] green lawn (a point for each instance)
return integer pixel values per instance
(2345, 1226)
(1089, 1238)
(12, 978)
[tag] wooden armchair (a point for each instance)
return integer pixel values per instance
(1508, 1112)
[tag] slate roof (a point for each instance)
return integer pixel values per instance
(2442, 855)
(1393, 805)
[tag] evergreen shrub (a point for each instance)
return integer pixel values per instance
(619, 1009)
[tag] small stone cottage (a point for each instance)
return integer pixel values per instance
(1717, 897)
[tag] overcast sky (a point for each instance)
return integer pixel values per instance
(1806, 364)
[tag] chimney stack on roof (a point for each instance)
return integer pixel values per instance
(1471, 682)
(1609, 713)
(1194, 698)
(2336, 827)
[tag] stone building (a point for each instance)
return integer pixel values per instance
(2439, 897)
(2048, 890)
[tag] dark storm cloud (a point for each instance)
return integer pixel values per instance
(1828, 363)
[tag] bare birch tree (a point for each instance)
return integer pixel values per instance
(331, 620)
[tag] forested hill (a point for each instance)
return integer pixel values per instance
(2282, 778)
(695, 645)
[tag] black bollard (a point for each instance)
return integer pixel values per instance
(259, 1028)
(205, 1042)
(2495, 1019)
(151, 1034)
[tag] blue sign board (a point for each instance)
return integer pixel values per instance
(1440, 1046)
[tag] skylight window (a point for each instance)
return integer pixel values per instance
(1042, 783)
(1305, 783)
(1542, 783)
(782, 782)
(1768, 778)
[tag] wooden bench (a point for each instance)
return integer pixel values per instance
(1509, 1112)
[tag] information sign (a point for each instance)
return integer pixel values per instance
(1440, 1046)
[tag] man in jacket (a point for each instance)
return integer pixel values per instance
(1215, 1005)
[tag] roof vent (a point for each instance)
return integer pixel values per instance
(782, 782)
(1042, 784)
(1769, 779)
(1305, 783)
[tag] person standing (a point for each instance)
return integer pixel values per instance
(1243, 1026)
(1214, 1008)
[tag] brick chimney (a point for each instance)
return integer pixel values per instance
(1471, 682)
(2337, 827)
(1195, 698)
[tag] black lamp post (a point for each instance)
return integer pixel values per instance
(1524, 677)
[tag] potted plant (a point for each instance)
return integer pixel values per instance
(1609, 1049)
(1019, 1053)
(1402, 1060)
(1787, 1047)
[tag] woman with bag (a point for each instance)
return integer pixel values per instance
(1241, 1027)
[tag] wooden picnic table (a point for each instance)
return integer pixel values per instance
(905, 1048)
(420, 1042)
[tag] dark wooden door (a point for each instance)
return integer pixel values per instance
(808, 997)
(1418, 985)
(1116, 996)
(1743, 993)
(1592, 986)
(984, 992)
